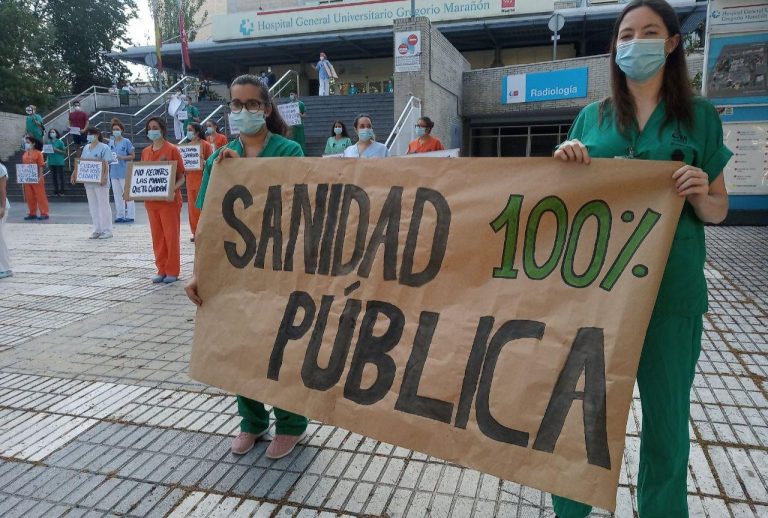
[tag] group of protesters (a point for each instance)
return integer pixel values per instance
(651, 104)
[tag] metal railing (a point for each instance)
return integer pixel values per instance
(285, 81)
(403, 128)
(90, 91)
(210, 117)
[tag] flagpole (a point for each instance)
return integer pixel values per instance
(183, 65)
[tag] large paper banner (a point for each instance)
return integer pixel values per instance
(27, 173)
(191, 156)
(150, 181)
(290, 113)
(490, 312)
(90, 171)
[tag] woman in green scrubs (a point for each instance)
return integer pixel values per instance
(653, 115)
(262, 134)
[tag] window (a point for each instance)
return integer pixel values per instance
(517, 141)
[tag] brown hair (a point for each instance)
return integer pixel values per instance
(275, 122)
(676, 89)
(160, 122)
(116, 122)
(92, 130)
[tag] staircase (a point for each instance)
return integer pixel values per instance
(321, 114)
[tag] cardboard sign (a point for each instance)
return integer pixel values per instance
(290, 113)
(150, 181)
(90, 171)
(27, 173)
(496, 323)
(48, 149)
(74, 130)
(191, 155)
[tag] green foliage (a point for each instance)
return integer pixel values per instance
(168, 15)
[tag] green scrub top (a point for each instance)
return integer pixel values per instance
(192, 113)
(336, 147)
(56, 158)
(34, 125)
(297, 132)
(683, 288)
(275, 146)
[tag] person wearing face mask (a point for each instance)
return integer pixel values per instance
(194, 177)
(34, 193)
(97, 194)
(271, 77)
(212, 135)
(122, 153)
(34, 123)
(78, 119)
(5, 206)
(424, 141)
(325, 72)
(297, 131)
(338, 141)
(55, 161)
(653, 115)
(193, 113)
(165, 216)
(366, 146)
(262, 134)
(179, 114)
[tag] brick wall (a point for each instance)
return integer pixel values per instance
(438, 84)
(13, 131)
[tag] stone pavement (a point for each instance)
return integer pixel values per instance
(99, 418)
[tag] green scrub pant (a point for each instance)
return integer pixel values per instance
(664, 376)
(256, 418)
(297, 135)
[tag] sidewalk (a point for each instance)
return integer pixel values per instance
(99, 418)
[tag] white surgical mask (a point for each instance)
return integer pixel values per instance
(293, 97)
(248, 123)
(209, 130)
(337, 131)
(641, 59)
(90, 138)
(365, 134)
(117, 133)
(27, 146)
(52, 135)
(191, 135)
(420, 132)
(77, 108)
(154, 135)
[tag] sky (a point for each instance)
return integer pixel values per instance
(141, 31)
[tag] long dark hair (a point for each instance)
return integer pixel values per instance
(343, 129)
(275, 122)
(56, 132)
(676, 89)
(198, 129)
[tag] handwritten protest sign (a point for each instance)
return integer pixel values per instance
(90, 171)
(496, 323)
(26, 173)
(48, 149)
(191, 156)
(74, 130)
(290, 113)
(150, 181)
(182, 115)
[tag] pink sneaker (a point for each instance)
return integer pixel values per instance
(283, 445)
(245, 442)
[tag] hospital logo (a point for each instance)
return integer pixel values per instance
(246, 27)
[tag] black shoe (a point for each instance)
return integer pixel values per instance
(30, 217)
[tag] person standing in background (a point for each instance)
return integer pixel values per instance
(193, 113)
(271, 77)
(325, 72)
(366, 146)
(5, 258)
(122, 152)
(194, 177)
(297, 131)
(338, 141)
(78, 119)
(97, 193)
(56, 161)
(424, 141)
(34, 123)
(34, 193)
(212, 135)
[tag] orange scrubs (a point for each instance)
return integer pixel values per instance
(217, 141)
(165, 216)
(433, 144)
(194, 179)
(34, 193)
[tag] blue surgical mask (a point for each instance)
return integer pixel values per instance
(337, 131)
(365, 134)
(191, 135)
(641, 59)
(209, 130)
(154, 135)
(90, 138)
(27, 146)
(117, 133)
(420, 131)
(248, 123)
(293, 97)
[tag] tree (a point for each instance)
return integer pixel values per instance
(168, 16)
(85, 31)
(28, 62)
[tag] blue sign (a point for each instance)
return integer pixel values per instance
(569, 83)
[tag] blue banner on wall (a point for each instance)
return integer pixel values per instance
(569, 83)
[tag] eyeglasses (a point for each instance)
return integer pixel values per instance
(252, 105)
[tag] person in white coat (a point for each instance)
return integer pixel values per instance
(97, 193)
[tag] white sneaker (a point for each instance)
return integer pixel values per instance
(95, 235)
(105, 235)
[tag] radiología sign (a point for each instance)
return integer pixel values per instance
(503, 316)
(250, 22)
(150, 181)
(545, 86)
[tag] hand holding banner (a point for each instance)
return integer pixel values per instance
(410, 304)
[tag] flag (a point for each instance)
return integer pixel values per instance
(158, 43)
(183, 37)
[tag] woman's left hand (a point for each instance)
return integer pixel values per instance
(691, 181)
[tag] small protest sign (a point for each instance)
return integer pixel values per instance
(74, 130)
(90, 171)
(26, 173)
(290, 113)
(150, 181)
(182, 115)
(191, 156)
(47, 149)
